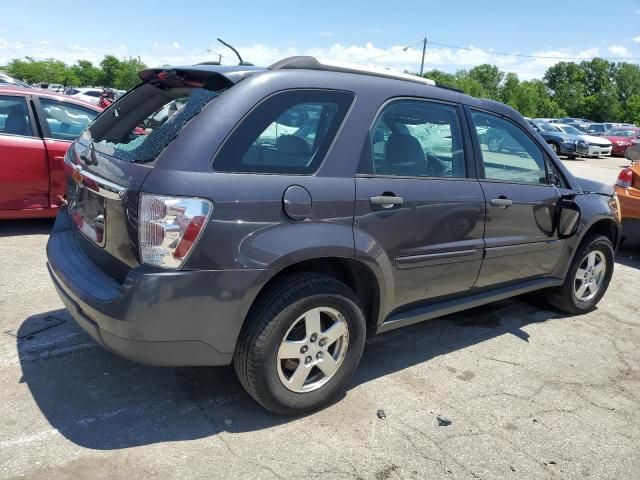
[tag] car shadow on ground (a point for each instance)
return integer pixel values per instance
(629, 254)
(12, 228)
(101, 401)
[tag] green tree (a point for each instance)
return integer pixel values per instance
(109, 66)
(509, 89)
(490, 77)
(126, 74)
(468, 84)
(566, 81)
(86, 73)
(632, 109)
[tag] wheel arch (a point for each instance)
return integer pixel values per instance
(360, 277)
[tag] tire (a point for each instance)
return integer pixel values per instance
(275, 319)
(564, 298)
(555, 147)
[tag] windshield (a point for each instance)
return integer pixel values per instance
(548, 128)
(623, 133)
(570, 129)
(140, 125)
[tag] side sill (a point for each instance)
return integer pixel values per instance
(427, 312)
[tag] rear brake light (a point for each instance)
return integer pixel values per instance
(625, 179)
(169, 228)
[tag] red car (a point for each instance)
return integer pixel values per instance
(36, 129)
(622, 138)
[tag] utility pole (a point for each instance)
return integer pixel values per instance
(424, 50)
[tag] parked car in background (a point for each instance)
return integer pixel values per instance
(598, 146)
(261, 224)
(597, 129)
(628, 193)
(561, 143)
(36, 129)
(545, 120)
(87, 94)
(7, 80)
(622, 138)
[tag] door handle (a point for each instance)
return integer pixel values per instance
(501, 202)
(386, 201)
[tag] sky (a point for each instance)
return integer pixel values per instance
(372, 32)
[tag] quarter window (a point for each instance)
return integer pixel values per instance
(289, 132)
(508, 153)
(66, 121)
(417, 139)
(14, 116)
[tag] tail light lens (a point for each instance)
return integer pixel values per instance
(625, 179)
(169, 228)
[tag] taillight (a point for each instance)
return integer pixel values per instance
(625, 179)
(169, 228)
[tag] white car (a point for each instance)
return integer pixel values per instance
(91, 95)
(598, 146)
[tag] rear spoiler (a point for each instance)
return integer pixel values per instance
(198, 75)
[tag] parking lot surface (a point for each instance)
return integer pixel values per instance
(529, 394)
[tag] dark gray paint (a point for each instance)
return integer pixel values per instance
(422, 266)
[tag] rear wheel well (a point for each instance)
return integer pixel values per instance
(354, 274)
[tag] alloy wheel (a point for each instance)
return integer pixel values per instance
(590, 276)
(313, 349)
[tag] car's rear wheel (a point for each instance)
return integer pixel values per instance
(587, 279)
(301, 343)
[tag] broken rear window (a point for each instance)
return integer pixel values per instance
(141, 124)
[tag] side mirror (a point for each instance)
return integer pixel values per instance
(633, 152)
(567, 218)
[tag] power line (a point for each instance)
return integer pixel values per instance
(491, 52)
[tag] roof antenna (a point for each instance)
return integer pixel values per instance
(242, 62)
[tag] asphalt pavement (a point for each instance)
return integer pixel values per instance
(529, 394)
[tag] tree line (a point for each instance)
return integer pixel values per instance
(110, 72)
(597, 89)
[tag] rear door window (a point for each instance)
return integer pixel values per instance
(416, 138)
(65, 120)
(290, 132)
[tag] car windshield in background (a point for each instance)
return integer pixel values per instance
(624, 133)
(143, 123)
(548, 128)
(571, 130)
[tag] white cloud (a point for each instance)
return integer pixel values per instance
(394, 56)
(619, 51)
(44, 42)
(326, 34)
(636, 39)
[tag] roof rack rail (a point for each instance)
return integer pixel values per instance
(313, 63)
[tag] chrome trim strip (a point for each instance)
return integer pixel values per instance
(106, 189)
(414, 261)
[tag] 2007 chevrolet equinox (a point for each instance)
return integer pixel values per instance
(273, 218)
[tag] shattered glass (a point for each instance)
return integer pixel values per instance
(146, 147)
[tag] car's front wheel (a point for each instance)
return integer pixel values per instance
(587, 279)
(301, 343)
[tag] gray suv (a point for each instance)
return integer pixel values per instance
(273, 218)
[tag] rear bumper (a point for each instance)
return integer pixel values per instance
(166, 318)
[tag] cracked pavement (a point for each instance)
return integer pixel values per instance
(531, 395)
